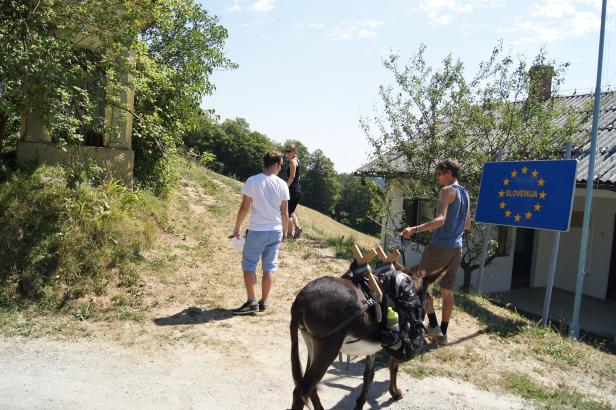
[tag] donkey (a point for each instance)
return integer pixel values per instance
(334, 316)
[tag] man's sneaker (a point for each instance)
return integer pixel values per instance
(246, 308)
(297, 233)
(442, 340)
(263, 305)
(434, 331)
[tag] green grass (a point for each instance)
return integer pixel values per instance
(521, 385)
(504, 325)
(548, 342)
(343, 246)
(60, 244)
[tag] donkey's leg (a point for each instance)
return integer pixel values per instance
(393, 377)
(368, 377)
(299, 399)
(324, 352)
(316, 402)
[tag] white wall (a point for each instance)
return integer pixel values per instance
(497, 275)
(599, 254)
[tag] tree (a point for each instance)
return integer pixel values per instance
(239, 151)
(176, 55)
(355, 208)
(164, 49)
(432, 114)
(320, 185)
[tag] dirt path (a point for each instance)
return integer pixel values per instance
(44, 374)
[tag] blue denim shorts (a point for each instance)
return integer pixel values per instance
(264, 245)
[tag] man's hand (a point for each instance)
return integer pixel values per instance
(408, 231)
(236, 232)
(284, 236)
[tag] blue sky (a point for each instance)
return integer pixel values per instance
(309, 69)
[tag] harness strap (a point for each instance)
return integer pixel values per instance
(348, 320)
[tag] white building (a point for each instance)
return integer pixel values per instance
(524, 254)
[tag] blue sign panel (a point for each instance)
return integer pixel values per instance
(528, 194)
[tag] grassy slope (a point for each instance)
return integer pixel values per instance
(192, 264)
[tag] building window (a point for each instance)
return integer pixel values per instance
(418, 211)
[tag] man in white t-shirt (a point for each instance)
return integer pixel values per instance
(268, 196)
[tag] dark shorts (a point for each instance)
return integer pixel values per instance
(294, 201)
(438, 263)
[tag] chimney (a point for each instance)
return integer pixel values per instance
(540, 82)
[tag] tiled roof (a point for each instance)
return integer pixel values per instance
(605, 160)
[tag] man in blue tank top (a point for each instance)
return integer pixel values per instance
(441, 259)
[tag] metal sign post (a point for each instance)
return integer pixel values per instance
(574, 329)
(552, 271)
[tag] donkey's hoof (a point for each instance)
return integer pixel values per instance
(396, 394)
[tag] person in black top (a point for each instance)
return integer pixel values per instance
(294, 175)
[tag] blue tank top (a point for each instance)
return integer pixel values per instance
(450, 234)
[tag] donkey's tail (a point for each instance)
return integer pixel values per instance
(296, 365)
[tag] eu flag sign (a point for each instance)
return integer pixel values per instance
(528, 194)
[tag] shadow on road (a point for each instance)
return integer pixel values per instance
(193, 316)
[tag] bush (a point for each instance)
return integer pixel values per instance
(59, 243)
(343, 246)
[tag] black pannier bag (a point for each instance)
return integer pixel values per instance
(400, 293)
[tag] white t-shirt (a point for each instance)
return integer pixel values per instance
(267, 193)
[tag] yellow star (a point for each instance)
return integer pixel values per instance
(505, 181)
(538, 207)
(524, 170)
(542, 195)
(541, 182)
(508, 213)
(535, 173)
(501, 193)
(502, 205)
(517, 217)
(529, 215)
(514, 173)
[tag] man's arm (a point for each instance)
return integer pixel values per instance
(284, 212)
(445, 197)
(241, 215)
(292, 171)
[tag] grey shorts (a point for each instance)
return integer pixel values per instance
(438, 263)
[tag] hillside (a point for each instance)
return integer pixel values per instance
(169, 341)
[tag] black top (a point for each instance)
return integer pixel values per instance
(295, 185)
